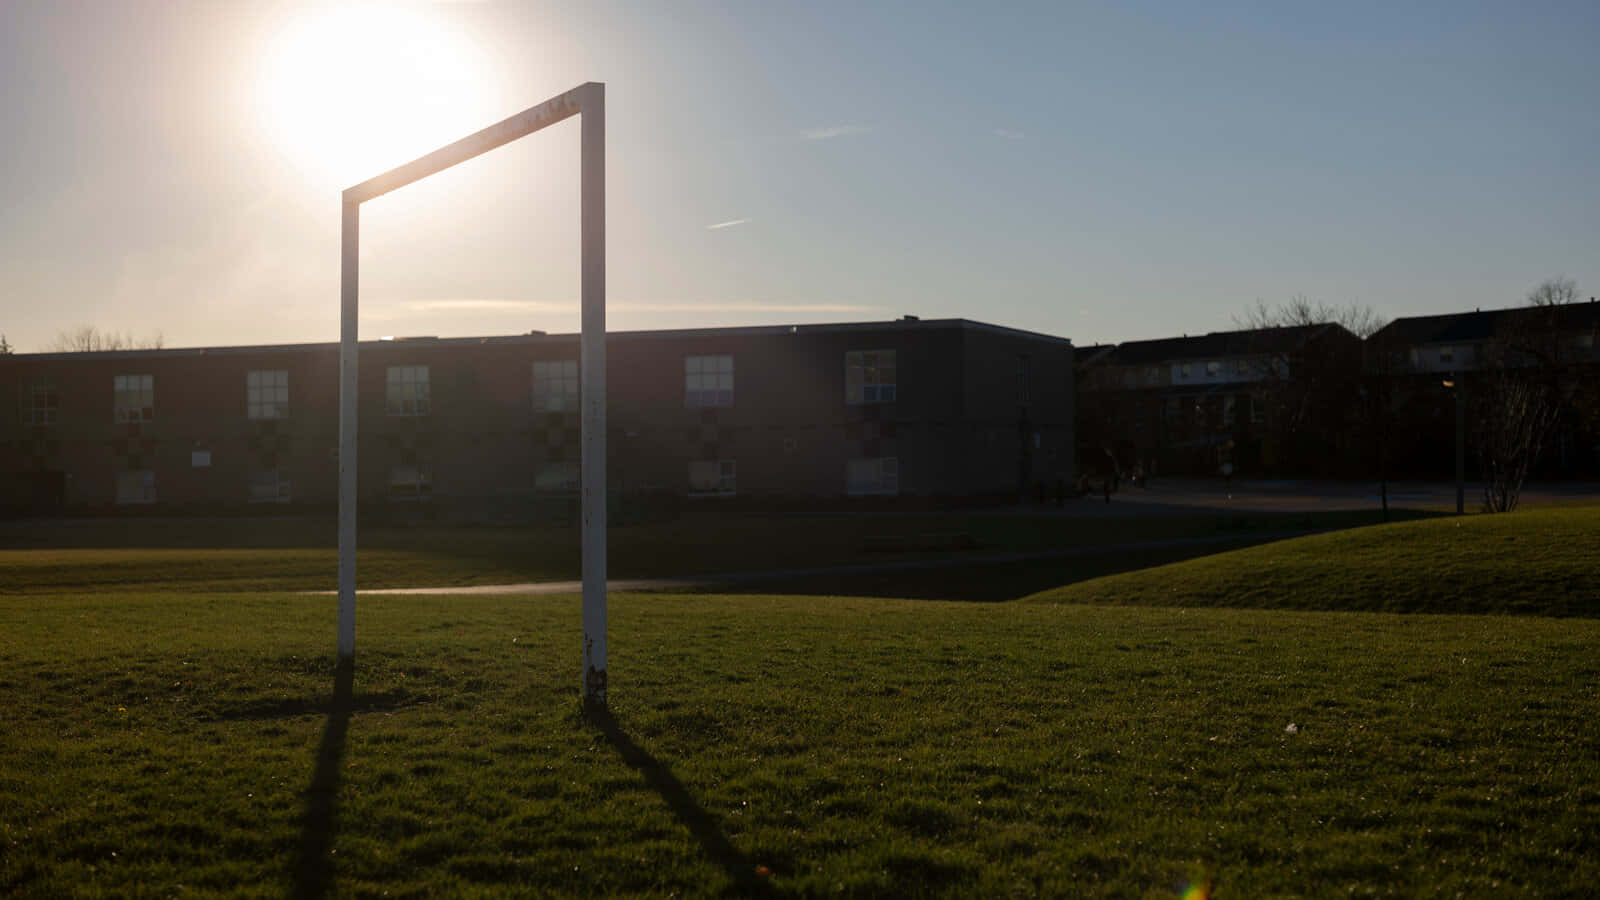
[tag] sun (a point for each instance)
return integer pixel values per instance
(348, 93)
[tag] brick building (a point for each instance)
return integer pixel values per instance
(488, 427)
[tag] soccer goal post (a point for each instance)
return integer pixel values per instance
(588, 102)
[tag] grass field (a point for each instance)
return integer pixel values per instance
(291, 555)
(166, 742)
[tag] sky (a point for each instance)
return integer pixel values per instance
(1102, 172)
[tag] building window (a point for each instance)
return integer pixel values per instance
(713, 478)
(41, 401)
(1213, 368)
(269, 486)
(1241, 367)
(1184, 370)
(1152, 375)
(1228, 410)
(267, 394)
(135, 397)
(137, 486)
(877, 475)
(1447, 355)
(407, 391)
(1258, 412)
(869, 377)
(707, 381)
(410, 482)
(555, 385)
(557, 476)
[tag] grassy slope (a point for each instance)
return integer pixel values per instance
(864, 746)
(221, 555)
(1534, 562)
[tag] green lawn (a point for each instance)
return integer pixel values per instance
(1541, 562)
(165, 742)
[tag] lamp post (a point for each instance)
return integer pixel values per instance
(1461, 443)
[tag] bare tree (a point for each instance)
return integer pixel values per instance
(5, 346)
(1525, 384)
(1518, 412)
(1554, 292)
(1309, 385)
(89, 339)
(1359, 319)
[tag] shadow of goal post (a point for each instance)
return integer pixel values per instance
(588, 102)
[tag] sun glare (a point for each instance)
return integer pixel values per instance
(349, 93)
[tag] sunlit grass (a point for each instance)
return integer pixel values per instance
(871, 747)
(1540, 562)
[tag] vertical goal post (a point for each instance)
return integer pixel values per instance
(588, 102)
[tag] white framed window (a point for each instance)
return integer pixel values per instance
(134, 397)
(136, 486)
(1213, 368)
(410, 482)
(873, 475)
(269, 486)
(869, 377)
(708, 381)
(406, 391)
(557, 476)
(1241, 367)
(555, 385)
(1185, 370)
(713, 477)
(267, 394)
(41, 401)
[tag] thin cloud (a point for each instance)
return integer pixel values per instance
(1008, 134)
(492, 306)
(833, 131)
(481, 304)
(742, 307)
(728, 224)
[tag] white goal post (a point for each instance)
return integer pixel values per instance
(588, 101)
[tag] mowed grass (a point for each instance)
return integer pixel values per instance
(158, 744)
(1130, 739)
(1541, 562)
(301, 554)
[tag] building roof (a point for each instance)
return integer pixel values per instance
(1218, 344)
(1481, 325)
(908, 323)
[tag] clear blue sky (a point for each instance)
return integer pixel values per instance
(1101, 172)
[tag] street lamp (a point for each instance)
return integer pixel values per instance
(1461, 442)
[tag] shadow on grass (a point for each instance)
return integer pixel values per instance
(690, 813)
(313, 867)
(994, 582)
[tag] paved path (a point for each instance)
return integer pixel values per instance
(727, 579)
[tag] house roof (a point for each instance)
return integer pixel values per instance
(1480, 325)
(1218, 344)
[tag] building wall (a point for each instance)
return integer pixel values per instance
(957, 426)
